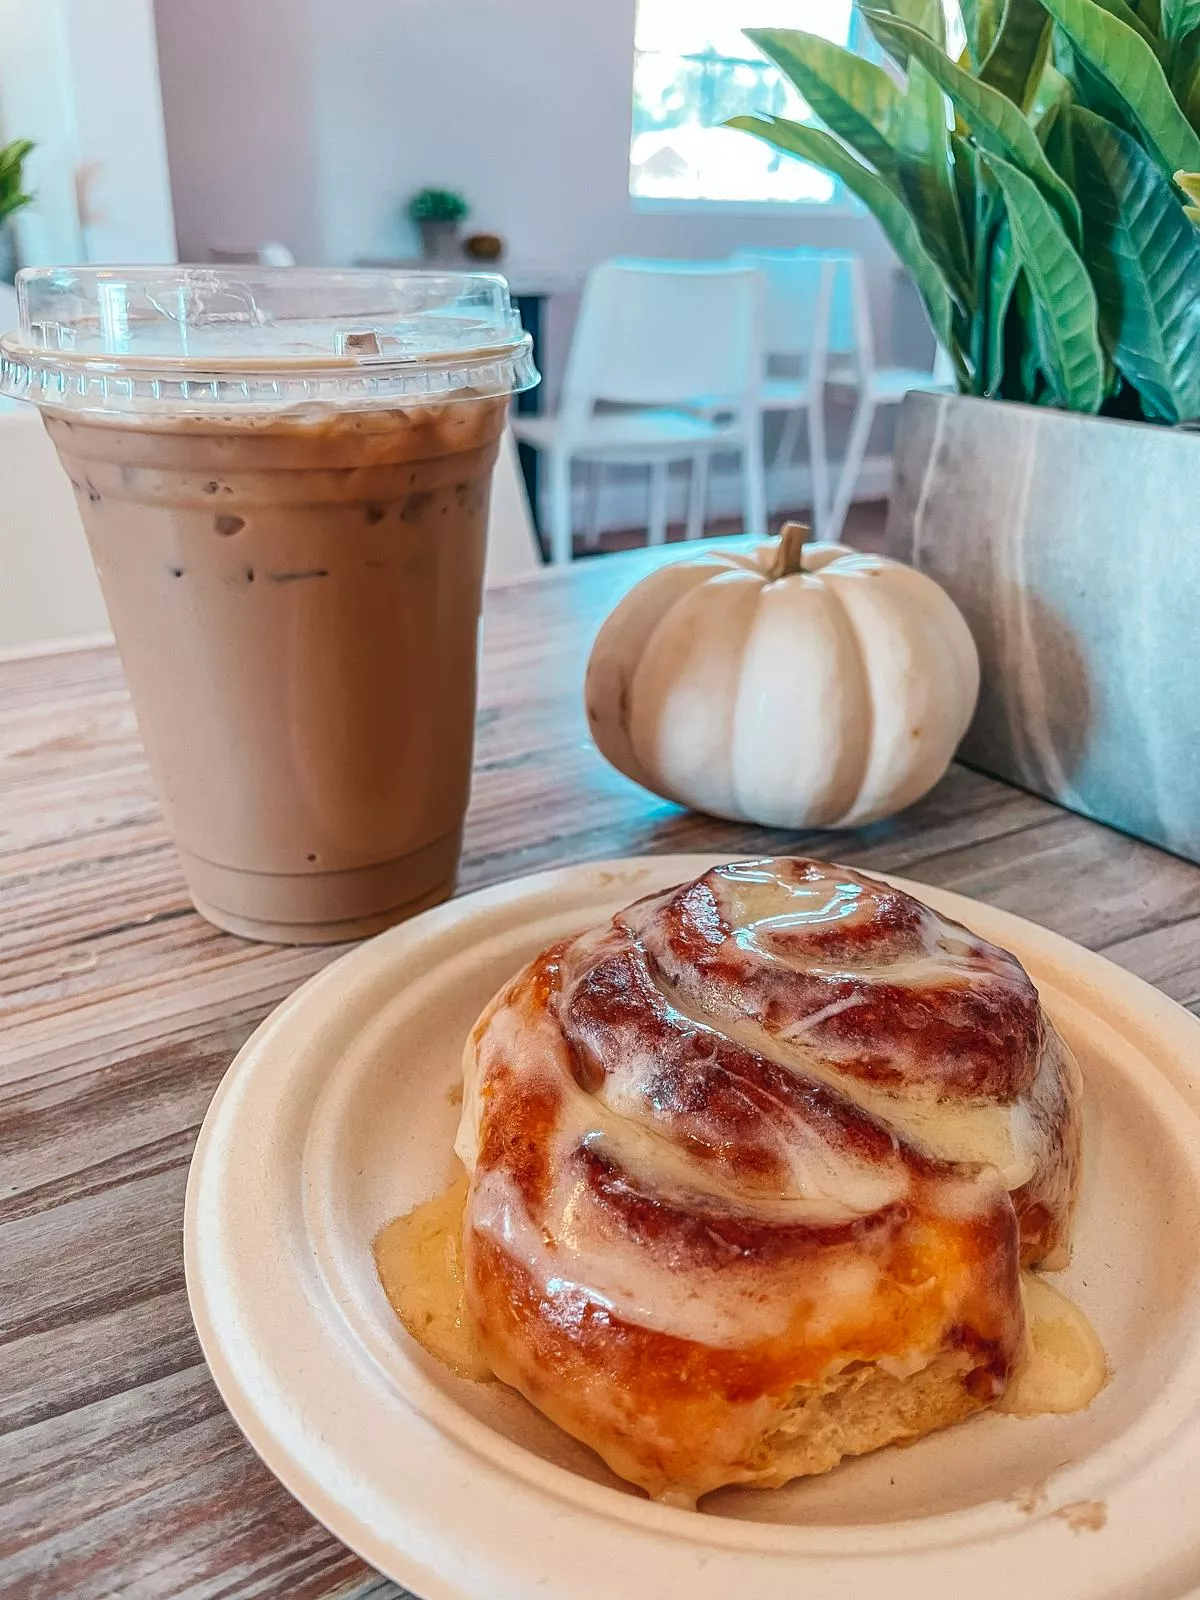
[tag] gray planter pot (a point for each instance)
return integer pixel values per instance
(1072, 547)
(440, 240)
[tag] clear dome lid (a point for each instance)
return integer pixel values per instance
(190, 339)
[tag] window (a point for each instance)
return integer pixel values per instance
(693, 68)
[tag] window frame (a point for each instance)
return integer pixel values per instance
(843, 205)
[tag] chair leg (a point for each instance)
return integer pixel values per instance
(697, 496)
(561, 532)
(856, 449)
(591, 521)
(789, 437)
(657, 525)
(754, 482)
(794, 421)
(819, 464)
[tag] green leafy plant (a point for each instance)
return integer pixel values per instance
(12, 193)
(1034, 187)
(438, 205)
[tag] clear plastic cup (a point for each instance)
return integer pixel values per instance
(284, 476)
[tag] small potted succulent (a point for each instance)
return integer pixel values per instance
(438, 214)
(1034, 184)
(12, 197)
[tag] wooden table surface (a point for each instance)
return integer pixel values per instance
(120, 1471)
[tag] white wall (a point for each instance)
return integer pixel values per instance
(80, 77)
(313, 120)
(123, 181)
(238, 81)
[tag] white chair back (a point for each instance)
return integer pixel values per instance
(807, 293)
(799, 298)
(663, 333)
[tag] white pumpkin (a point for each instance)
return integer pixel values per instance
(796, 685)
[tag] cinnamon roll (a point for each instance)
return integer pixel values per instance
(753, 1172)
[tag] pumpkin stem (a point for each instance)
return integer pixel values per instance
(789, 551)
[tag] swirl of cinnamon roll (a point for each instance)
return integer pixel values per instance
(754, 1168)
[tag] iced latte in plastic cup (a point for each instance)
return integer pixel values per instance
(284, 477)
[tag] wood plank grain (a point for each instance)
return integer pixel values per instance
(120, 1471)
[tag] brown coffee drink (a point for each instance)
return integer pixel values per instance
(296, 597)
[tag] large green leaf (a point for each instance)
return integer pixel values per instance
(1030, 380)
(1088, 87)
(1179, 18)
(925, 15)
(1144, 258)
(892, 215)
(981, 20)
(928, 15)
(989, 207)
(1061, 286)
(964, 162)
(1184, 75)
(1150, 12)
(1014, 62)
(1191, 93)
(1004, 271)
(1052, 91)
(902, 135)
(853, 96)
(1049, 388)
(922, 137)
(1126, 14)
(997, 124)
(1054, 134)
(1129, 66)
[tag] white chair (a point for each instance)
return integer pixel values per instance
(48, 587)
(808, 323)
(654, 338)
(512, 547)
(876, 387)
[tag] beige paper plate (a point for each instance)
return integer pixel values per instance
(338, 1114)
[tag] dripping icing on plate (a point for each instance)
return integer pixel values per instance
(419, 1258)
(1065, 1366)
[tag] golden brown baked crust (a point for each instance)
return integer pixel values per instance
(754, 1168)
